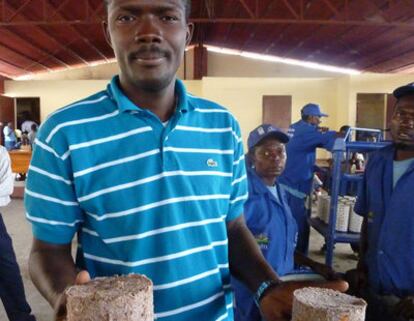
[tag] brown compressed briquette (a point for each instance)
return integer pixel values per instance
(118, 298)
(315, 304)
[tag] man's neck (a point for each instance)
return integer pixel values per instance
(162, 103)
(269, 181)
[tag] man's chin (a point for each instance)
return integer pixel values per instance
(153, 84)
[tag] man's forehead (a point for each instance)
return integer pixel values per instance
(148, 3)
(271, 142)
(406, 102)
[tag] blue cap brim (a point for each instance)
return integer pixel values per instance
(280, 136)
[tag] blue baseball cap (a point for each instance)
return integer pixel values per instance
(404, 90)
(312, 110)
(264, 131)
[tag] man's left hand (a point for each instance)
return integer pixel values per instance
(276, 305)
(405, 308)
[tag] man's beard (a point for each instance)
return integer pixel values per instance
(404, 146)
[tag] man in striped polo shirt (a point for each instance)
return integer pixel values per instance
(150, 178)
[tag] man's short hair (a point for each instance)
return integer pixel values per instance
(187, 5)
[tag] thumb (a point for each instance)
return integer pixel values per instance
(82, 277)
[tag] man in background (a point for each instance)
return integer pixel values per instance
(386, 265)
(27, 124)
(11, 285)
(10, 139)
(305, 137)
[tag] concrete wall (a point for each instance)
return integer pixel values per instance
(242, 95)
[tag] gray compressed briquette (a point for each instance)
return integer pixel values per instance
(316, 304)
(118, 298)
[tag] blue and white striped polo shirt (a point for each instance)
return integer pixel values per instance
(145, 198)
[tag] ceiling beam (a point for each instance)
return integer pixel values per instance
(364, 45)
(269, 7)
(76, 30)
(299, 21)
(249, 11)
(290, 8)
(87, 17)
(22, 55)
(403, 69)
(397, 58)
(56, 11)
(209, 5)
(13, 66)
(45, 54)
(18, 10)
(331, 6)
(409, 25)
(56, 41)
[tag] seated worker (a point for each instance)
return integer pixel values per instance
(268, 215)
(385, 275)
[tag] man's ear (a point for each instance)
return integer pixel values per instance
(106, 33)
(190, 31)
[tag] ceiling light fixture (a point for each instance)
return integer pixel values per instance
(288, 61)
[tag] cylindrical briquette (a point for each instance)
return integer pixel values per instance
(118, 298)
(316, 304)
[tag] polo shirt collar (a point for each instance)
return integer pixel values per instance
(125, 104)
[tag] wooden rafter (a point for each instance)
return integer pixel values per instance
(22, 55)
(297, 16)
(45, 54)
(249, 11)
(290, 8)
(331, 6)
(81, 36)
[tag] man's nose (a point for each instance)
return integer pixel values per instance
(148, 30)
(407, 122)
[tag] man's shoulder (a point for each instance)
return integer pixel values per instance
(86, 107)
(208, 108)
(378, 158)
(202, 104)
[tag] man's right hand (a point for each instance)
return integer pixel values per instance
(60, 306)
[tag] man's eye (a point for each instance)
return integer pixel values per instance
(169, 18)
(125, 18)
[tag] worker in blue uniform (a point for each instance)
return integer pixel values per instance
(268, 215)
(305, 136)
(386, 266)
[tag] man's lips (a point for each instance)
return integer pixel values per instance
(148, 57)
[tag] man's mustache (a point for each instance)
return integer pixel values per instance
(148, 51)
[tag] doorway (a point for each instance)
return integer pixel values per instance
(277, 110)
(374, 111)
(27, 108)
